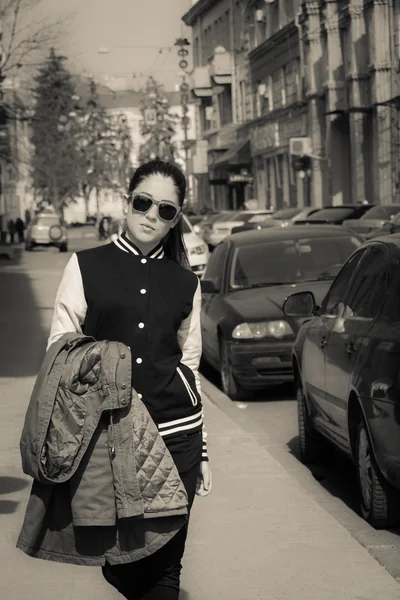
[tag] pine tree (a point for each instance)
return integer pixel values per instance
(56, 159)
(158, 124)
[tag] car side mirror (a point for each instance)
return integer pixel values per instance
(208, 286)
(300, 305)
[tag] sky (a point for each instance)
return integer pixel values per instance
(137, 33)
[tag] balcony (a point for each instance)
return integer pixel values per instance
(221, 66)
(201, 82)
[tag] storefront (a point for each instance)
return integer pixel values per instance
(276, 184)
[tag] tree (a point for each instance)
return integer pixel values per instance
(55, 161)
(104, 143)
(157, 125)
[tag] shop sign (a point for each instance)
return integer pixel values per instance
(265, 137)
(239, 178)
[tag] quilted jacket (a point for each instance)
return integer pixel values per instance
(105, 485)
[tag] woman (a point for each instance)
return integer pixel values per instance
(139, 290)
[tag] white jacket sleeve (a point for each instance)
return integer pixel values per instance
(70, 305)
(189, 339)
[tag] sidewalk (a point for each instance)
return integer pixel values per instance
(257, 536)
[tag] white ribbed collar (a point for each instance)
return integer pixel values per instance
(125, 244)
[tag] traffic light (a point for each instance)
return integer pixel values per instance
(301, 163)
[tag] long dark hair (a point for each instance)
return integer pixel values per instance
(174, 246)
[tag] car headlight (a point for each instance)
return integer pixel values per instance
(198, 249)
(258, 331)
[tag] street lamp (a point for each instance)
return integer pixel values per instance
(182, 44)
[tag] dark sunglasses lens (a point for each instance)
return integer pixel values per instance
(141, 203)
(167, 212)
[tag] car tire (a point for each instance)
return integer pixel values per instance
(28, 247)
(64, 248)
(379, 501)
(312, 447)
(230, 386)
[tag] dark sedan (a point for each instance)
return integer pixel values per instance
(346, 361)
(246, 281)
(377, 217)
(336, 215)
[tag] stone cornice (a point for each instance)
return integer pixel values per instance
(280, 36)
(196, 11)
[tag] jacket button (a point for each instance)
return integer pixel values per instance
(123, 402)
(139, 361)
(123, 386)
(142, 291)
(122, 355)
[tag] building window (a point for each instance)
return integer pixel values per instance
(196, 52)
(242, 116)
(225, 106)
(283, 83)
(260, 27)
(277, 88)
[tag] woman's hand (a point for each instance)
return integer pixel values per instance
(204, 479)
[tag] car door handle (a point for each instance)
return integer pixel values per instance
(323, 342)
(350, 348)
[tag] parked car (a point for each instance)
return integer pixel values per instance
(207, 224)
(346, 361)
(393, 226)
(377, 217)
(248, 277)
(256, 223)
(335, 215)
(224, 227)
(197, 249)
(47, 229)
(285, 215)
(196, 221)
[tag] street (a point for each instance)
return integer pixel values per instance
(269, 420)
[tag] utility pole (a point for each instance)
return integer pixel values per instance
(182, 44)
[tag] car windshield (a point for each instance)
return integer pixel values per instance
(289, 261)
(382, 212)
(332, 214)
(286, 213)
(252, 217)
(185, 226)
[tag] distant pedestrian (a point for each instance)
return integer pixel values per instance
(11, 230)
(20, 228)
(139, 290)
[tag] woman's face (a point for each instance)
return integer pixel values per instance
(147, 230)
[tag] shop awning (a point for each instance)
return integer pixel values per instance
(239, 154)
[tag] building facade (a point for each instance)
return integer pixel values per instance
(248, 88)
(16, 192)
(352, 59)
(327, 71)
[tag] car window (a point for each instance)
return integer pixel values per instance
(288, 261)
(369, 287)
(339, 288)
(286, 213)
(381, 212)
(333, 213)
(48, 221)
(186, 228)
(319, 254)
(391, 308)
(216, 265)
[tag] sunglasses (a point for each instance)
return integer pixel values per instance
(167, 211)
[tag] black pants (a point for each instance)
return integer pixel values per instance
(157, 577)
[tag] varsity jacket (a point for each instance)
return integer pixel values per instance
(150, 303)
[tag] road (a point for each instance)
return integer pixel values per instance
(28, 287)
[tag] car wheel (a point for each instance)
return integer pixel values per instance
(64, 248)
(230, 386)
(28, 247)
(312, 448)
(379, 501)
